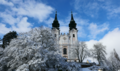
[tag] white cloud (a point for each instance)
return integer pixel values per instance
(22, 26)
(4, 29)
(4, 2)
(112, 8)
(8, 18)
(39, 11)
(19, 24)
(94, 8)
(117, 10)
(113, 12)
(81, 31)
(91, 43)
(81, 21)
(17, 16)
(95, 29)
(49, 21)
(90, 8)
(111, 40)
(64, 29)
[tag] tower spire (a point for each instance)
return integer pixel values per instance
(56, 15)
(72, 24)
(55, 23)
(72, 16)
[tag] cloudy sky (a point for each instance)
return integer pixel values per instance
(97, 20)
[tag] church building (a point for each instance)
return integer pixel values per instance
(66, 41)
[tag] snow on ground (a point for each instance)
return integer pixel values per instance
(86, 69)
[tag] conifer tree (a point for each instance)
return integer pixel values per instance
(8, 37)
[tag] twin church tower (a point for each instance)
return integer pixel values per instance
(66, 41)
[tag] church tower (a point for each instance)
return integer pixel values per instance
(55, 27)
(66, 41)
(72, 30)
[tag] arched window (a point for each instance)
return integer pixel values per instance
(73, 35)
(64, 51)
(55, 35)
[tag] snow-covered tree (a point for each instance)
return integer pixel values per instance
(31, 51)
(99, 53)
(80, 50)
(116, 55)
(1, 51)
(0, 43)
(114, 61)
(35, 50)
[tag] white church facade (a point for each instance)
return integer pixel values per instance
(66, 41)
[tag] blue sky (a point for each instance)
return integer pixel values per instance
(97, 20)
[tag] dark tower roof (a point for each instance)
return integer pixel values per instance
(55, 23)
(72, 24)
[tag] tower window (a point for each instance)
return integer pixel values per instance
(55, 35)
(73, 35)
(64, 51)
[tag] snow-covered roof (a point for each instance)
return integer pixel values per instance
(89, 61)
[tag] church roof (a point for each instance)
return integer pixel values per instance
(55, 23)
(72, 24)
